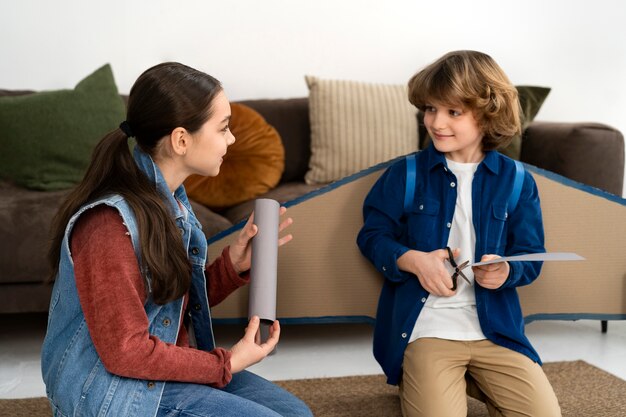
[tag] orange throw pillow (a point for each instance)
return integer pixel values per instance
(252, 165)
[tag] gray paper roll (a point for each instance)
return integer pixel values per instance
(263, 278)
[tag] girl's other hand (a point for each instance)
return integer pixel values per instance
(247, 352)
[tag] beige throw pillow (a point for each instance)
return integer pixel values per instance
(355, 125)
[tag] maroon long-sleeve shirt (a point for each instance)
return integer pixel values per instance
(112, 293)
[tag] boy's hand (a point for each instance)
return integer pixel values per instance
(430, 269)
(491, 276)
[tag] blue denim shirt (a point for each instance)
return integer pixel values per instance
(388, 232)
(77, 384)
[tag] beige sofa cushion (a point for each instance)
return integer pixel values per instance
(355, 125)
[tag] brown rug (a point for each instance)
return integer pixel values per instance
(583, 391)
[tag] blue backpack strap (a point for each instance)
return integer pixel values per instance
(409, 192)
(517, 186)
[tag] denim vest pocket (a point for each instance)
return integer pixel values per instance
(495, 227)
(85, 403)
(421, 220)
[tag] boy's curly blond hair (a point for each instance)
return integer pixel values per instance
(476, 82)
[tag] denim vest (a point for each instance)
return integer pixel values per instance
(77, 384)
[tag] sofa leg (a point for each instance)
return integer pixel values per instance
(604, 324)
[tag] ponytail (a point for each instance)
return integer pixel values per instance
(113, 170)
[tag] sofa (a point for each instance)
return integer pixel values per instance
(587, 153)
(323, 278)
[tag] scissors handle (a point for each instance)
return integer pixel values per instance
(450, 256)
(457, 269)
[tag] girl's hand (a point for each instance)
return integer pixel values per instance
(247, 352)
(241, 250)
(429, 267)
(491, 276)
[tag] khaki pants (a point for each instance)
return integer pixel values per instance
(438, 375)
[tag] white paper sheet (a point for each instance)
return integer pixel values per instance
(545, 256)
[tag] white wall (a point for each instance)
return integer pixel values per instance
(264, 48)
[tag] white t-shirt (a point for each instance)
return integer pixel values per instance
(455, 318)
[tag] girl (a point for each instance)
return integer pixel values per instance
(434, 337)
(129, 328)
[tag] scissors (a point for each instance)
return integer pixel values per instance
(458, 269)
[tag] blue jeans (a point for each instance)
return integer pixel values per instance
(247, 394)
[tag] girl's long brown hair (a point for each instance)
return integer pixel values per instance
(164, 97)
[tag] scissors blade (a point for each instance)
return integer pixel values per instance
(459, 270)
(464, 277)
(463, 265)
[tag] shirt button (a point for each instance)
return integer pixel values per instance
(195, 251)
(423, 299)
(151, 384)
(421, 207)
(197, 307)
(506, 215)
(404, 335)
(384, 268)
(167, 322)
(452, 184)
(449, 225)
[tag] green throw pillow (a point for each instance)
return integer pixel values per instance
(46, 138)
(531, 98)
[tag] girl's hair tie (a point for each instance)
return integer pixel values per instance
(125, 127)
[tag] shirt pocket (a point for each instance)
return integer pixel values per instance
(496, 228)
(421, 221)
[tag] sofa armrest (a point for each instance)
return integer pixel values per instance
(590, 153)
